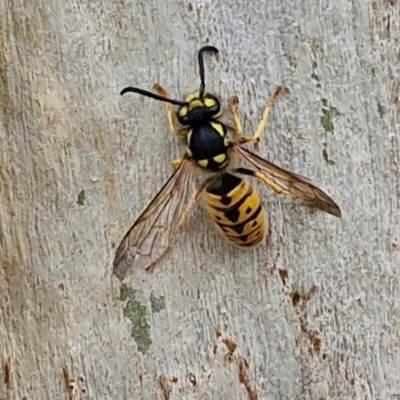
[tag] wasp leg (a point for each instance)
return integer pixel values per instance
(263, 123)
(233, 105)
(175, 163)
(169, 110)
(188, 209)
(258, 175)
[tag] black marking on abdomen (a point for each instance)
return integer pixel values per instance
(255, 242)
(238, 228)
(232, 213)
(226, 200)
(224, 184)
(243, 238)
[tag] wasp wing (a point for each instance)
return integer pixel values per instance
(150, 236)
(289, 183)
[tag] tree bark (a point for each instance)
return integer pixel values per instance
(312, 314)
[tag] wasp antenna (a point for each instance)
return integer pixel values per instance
(201, 66)
(152, 95)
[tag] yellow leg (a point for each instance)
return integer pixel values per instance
(175, 163)
(263, 123)
(188, 208)
(169, 110)
(233, 105)
(262, 177)
(276, 188)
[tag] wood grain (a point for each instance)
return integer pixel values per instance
(314, 314)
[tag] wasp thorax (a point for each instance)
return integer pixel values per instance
(199, 110)
(208, 145)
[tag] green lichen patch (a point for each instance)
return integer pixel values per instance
(136, 313)
(326, 158)
(157, 303)
(328, 115)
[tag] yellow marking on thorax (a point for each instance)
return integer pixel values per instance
(189, 137)
(220, 158)
(209, 102)
(218, 127)
(202, 163)
(219, 115)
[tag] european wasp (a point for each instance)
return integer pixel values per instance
(230, 199)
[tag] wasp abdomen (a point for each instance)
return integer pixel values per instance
(236, 208)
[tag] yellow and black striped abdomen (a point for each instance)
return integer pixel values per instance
(236, 208)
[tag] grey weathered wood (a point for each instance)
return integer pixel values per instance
(330, 330)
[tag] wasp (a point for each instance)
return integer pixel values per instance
(232, 202)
